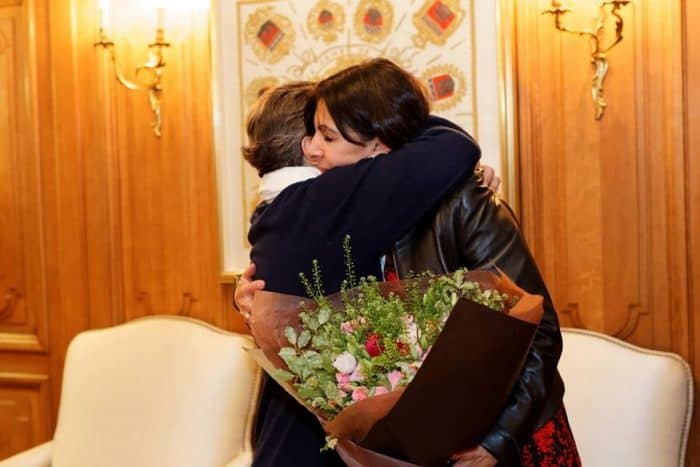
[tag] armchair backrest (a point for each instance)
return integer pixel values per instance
(626, 405)
(158, 391)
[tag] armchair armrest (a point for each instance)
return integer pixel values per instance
(38, 456)
(244, 459)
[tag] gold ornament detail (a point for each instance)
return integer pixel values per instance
(436, 21)
(326, 20)
(446, 86)
(374, 20)
(270, 34)
(257, 87)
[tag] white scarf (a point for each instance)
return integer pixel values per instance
(272, 183)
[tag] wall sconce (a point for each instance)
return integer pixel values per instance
(598, 56)
(152, 67)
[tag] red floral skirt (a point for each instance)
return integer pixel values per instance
(553, 445)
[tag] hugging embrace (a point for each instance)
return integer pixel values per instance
(359, 154)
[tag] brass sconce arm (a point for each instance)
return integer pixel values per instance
(598, 54)
(153, 67)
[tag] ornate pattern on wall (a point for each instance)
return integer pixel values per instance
(283, 41)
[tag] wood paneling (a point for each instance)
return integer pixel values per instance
(610, 207)
(22, 281)
(25, 414)
(24, 411)
(601, 199)
(691, 47)
(102, 221)
(167, 200)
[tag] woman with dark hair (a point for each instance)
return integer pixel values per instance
(351, 99)
(351, 116)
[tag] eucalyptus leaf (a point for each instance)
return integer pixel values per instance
(308, 393)
(304, 338)
(291, 335)
(287, 354)
(283, 375)
(323, 315)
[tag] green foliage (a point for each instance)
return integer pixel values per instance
(404, 329)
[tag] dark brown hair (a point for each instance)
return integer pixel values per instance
(275, 127)
(376, 98)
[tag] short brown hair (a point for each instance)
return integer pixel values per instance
(275, 127)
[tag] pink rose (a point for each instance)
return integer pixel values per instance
(394, 377)
(345, 387)
(360, 393)
(379, 390)
(347, 327)
(341, 378)
(373, 346)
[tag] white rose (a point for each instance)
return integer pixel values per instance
(345, 363)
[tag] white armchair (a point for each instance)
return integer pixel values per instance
(626, 405)
(158, 391)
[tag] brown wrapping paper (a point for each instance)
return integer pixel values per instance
(454, 399)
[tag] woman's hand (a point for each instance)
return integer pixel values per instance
(476, 457)
(491, 181)
(245, 292)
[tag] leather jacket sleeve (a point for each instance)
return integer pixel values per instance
(488, 235)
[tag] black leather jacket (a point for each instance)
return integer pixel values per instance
(473, 228)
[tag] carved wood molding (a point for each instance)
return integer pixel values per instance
(20, 342)
(12, 297)
(23, 379)
(144, 300)
(25, 403)
(633, 317)
(634, 314)
(188, 300)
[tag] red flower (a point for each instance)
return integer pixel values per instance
(403, 348)
(373, 345)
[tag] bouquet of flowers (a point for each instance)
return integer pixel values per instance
(417, 369)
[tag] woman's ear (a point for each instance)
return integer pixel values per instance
(376, 147)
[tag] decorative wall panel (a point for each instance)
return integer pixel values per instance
(610, 207)
(24, 411)
(262, 43)
(599, 197)
(22, 280)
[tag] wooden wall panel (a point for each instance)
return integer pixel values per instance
(610, 207)
(167, 187)
(22, 281)
(106, 221)
(691, 47)
(24, 411)
(600, 198)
